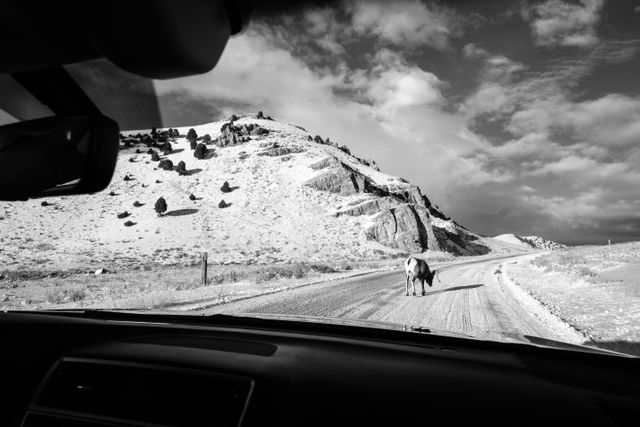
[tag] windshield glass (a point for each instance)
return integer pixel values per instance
(470, 168)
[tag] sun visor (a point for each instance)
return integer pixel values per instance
(157, 39)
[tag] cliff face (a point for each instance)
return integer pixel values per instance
(403, 218)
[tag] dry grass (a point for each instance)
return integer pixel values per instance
(150, 288)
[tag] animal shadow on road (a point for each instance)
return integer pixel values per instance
(181, 212)
(455, 288)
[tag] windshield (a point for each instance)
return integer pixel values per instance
(470, 167)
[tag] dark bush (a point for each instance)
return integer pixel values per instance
(260, 115)
(155, 157)
(123, 215)
(158, 181)
(182, 167)
(160, 206)
(165, 164)
(154, 131)
(192, 197)
(127, 178)
(318, 139)
(193, 144)
(131, 160)
(137, 204)
(129, 223)
(223, 204)
(45, 203)
(176, 133)
(112, 193)
(150, 151)
(192, 135)
(138, 151)
(225, 187)
(233, 118)
(206, 138)
(200, 151)
(165, 147)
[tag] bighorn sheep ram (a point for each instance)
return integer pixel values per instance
(418, 269)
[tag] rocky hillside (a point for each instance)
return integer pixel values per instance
(535, 242)
(246, 190)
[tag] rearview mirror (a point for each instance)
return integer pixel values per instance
(57, 156)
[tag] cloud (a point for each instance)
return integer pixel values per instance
(406, 23)
(560, 23)
(362, 88)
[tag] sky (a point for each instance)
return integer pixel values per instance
(512, 116)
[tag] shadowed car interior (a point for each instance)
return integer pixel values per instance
(89, 367)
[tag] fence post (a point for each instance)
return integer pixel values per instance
(204, 268)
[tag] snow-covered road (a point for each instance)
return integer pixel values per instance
(472, 297)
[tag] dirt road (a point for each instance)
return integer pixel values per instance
(470, 298)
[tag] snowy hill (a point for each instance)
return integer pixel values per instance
(535, 242)
(294, 197)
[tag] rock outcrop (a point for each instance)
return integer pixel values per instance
(231, 134)
(402, 217)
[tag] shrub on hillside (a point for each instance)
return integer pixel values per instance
(192, 135)
(166, 147)
(223, 204)
(150, 151)
(206, 138)
(318, 139)
(122, 215)
(155, 157)
(161, 206)
(181, 168)
(260, 115)
(44, 203)
(165, 164)
(200, 152)
(225, 187)
(233, 118)
(192, 197)
(129, 223)
(137, 204)
(193, 144)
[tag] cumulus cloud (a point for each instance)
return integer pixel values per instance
(406, 23)
(561, 23)
(373, 95)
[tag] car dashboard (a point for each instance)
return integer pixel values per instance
(63, 369)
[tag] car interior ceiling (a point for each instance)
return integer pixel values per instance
(82, 368)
